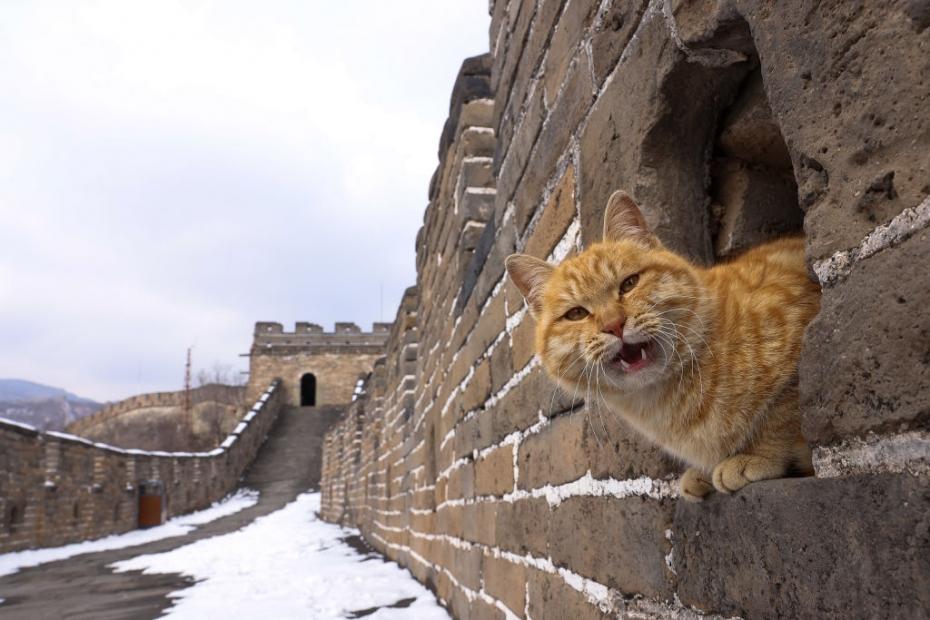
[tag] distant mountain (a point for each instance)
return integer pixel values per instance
(15, 390)
(42, 406)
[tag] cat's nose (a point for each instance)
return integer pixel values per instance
(615, 328)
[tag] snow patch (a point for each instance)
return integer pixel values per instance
(287, 564)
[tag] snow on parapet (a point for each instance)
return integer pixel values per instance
(19, 425)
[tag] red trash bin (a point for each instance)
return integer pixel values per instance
(152, 508)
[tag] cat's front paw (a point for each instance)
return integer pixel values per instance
(734, 473)
(693, 487)
(730, 475)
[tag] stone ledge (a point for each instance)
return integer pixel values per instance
(808, 547)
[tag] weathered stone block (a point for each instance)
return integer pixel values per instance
(550, 598)
(523, 526)
(512, 155)
(479, 387)
(612, 33)
(481, 523)
(617, 542)
(506, 582)
(494, 472)
(520, 408)
(555, 219)
(523, 342)
(588, 440)
(507, 60)
(567, 36)
(461, 483)
(564, 117)
(479, 609)
(865, 365)
(808, 548)
(501, 365)
(466, 566)
(490, 325)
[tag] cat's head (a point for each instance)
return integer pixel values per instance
(622, 315)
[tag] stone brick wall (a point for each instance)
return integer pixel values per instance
(730, 122)
(57, 488)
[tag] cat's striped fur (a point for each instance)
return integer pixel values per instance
(703, 361)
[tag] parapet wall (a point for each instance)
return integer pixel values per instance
(57, 489)
(512, 500)
(225, 394)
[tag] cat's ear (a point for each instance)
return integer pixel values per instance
(624, 220)
(529, 274)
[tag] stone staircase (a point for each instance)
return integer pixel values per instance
(290, 460)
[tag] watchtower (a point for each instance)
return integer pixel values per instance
(316, 367)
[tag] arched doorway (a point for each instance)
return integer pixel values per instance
(308, 390)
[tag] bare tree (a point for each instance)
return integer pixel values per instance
(224, 374)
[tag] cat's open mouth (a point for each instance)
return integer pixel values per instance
(634, 356)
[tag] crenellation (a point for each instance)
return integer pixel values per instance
(270, 338)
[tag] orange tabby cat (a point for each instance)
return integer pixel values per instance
(701, 361)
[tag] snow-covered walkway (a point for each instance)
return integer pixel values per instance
(261, 554)
(288, 564)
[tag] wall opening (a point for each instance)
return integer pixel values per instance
(753, 193)
(308, 390)
(723, 174)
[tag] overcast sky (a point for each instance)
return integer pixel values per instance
(172, 171)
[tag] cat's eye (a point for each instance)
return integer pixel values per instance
(627, 285)
(576, 314)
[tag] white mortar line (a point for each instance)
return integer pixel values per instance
(875, 454)
(898, 230)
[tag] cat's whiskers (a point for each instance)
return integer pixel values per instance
(695, 364)
(672, 337)
(580, 378)
(587, 399)
(677, 324)
(558, 384)
(600, 395)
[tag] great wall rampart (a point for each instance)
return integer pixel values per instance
(58, 488)
(729, 122)
(224, 394)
